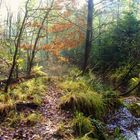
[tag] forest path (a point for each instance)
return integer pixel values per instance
(55, 117)
(50, 126)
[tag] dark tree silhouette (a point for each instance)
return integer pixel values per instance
(89, 34)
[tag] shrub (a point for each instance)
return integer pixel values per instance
(6, 103)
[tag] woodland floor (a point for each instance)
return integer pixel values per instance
(48, 127)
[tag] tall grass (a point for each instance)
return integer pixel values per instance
(80, 96)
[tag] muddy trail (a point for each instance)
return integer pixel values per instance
(48, 127)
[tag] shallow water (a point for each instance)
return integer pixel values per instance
(128, 124)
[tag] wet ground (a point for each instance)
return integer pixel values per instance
(123, 119)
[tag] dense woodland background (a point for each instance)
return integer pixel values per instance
(85, 55)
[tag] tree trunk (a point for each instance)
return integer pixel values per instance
(36, 42)
(89, 34)
(17, 45)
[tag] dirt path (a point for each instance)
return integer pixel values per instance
(47, 128)
(53, 114)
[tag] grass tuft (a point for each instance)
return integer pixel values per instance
(82, 125)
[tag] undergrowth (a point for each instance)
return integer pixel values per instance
(86, 94)
(79, 96)
(90, 101)
(20, 95)
(82, 125)
(87, 127)
(15, 119)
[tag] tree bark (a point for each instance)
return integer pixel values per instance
(89, 34)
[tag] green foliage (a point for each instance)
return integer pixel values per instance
(74, 72)
(5, 107)
(73, 86)
(135, 109)
(75, 55)
(100, 130)
(115, 50)
(33, 118)
(29, 91)
(61, 130)
(85, 138)
(14, 119)
(3, 97)
(119, 45)
(79, 96)
(37, 71)
(96, 83)
(111, 100)
(118, 136)
(90, 103)
(86, 94)
(134, 82)
(87, 128)
(82, 125)
(118, 75)
(6, 103)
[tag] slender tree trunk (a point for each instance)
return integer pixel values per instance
(89, 34)
(17, 45)
(35, 46)
(36, 42)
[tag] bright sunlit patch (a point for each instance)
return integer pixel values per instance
(13, 4)
(13, 7)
